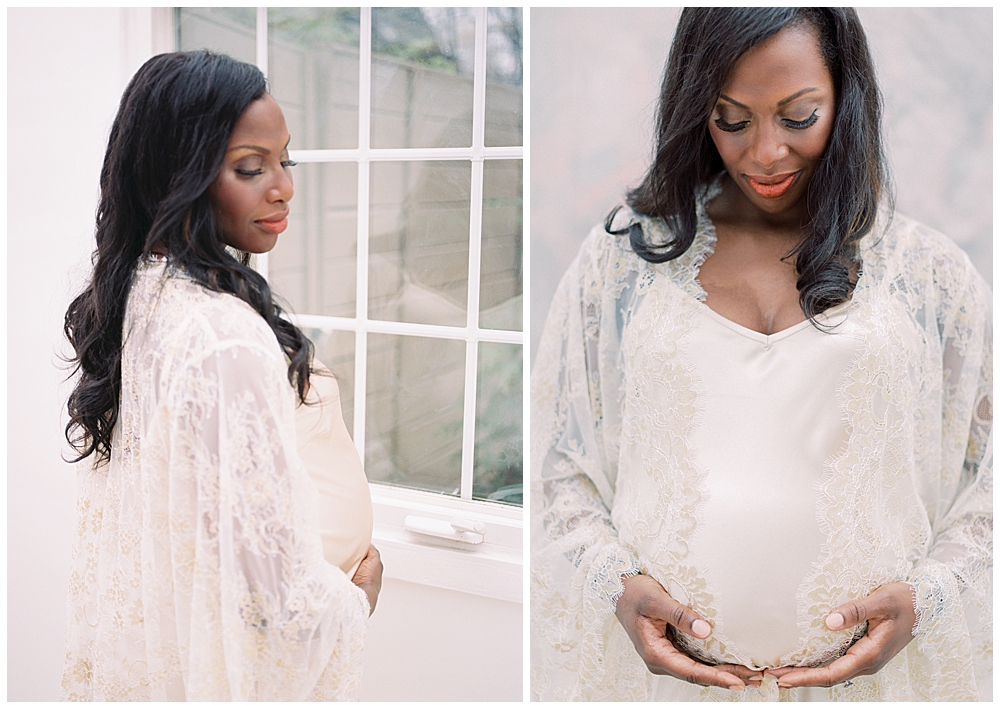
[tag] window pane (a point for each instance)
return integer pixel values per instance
(335, 349)
(422, 62)
(229, 30)
(313, 72)
(413, 423)
(314, 264)
(500, 289)
(419, 245)
(499, 441)
(504, 69)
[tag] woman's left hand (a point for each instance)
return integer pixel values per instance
(890, 615)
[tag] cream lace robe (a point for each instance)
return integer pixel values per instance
(198, 570)
(620, 484)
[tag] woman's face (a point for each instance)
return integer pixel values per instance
(251, 193)
(773, 120)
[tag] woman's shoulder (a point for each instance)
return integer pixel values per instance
(192, 316)
(608, 245)
(907, 246)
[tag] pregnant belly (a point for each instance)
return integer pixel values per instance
(755, 548)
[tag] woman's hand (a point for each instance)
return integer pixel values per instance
(645, 610)
(368, 577)
(890, 616)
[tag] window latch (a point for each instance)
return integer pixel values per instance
(458, 530)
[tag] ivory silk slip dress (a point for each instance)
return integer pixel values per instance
(327, 451)
(763, 480)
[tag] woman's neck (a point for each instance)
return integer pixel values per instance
(733, 208)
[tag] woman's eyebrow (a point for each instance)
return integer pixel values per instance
(782, 102)
(258, 148)
(734, 102)
(794, 96)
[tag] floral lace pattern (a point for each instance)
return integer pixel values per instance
(198, 572)
(908, 499)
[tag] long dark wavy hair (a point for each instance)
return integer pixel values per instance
(852, 176)
(167, 145)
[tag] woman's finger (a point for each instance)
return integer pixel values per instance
(750, 677)
(878, 604)
(840, 670)
(664, 607)
(677, 664)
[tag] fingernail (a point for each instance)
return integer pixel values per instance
(756, 678)
(835, 621)
(736, 688)
(701, 628)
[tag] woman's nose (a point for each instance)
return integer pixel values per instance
(768, 147)
(282, 189)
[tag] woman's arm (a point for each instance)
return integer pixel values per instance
(259, 611)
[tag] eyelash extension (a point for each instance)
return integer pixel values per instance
(254, 173)
(795, 125)
(730, 127)
(801, 125)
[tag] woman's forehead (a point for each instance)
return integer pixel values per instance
(781, 67)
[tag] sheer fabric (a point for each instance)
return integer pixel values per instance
(198, 571)
(620, 483)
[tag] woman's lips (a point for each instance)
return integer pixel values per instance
(275, 225)
(771, 185)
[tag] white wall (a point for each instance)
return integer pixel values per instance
(66, 71)
(63, 85)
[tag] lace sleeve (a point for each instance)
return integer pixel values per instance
(955, 579)
(578, 562)
(260, 614)
(577, 520)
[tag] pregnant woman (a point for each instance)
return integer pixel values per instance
(198, 569)
(762, 403)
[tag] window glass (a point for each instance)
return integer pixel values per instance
(419, 245)
(313, 69)
(416, 387)
(504, 73)
(335, 349)
(422, 62)
(228, 30)
(314, 264)
(500, 275)
(499, 463)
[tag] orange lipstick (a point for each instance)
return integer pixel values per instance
(771, 185)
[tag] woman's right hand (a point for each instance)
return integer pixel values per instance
(368, 577)
(645, 610)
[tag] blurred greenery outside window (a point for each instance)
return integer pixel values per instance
(438, 183)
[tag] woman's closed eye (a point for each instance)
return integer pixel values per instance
(801, 125)
(253, 172)
(723, 125)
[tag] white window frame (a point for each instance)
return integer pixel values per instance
(493, 568)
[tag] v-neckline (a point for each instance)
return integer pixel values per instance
(706, 231)
(768, 340)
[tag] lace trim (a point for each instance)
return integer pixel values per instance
(927, 599)
(609, 582)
